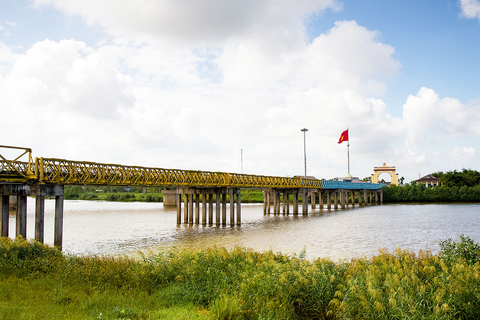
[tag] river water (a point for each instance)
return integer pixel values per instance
(114, 228)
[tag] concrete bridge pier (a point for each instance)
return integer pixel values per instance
(305, 193)
(295, 202)
(335, 199)
(39, 191)
(266, 202)
(169, 198)
(313, 199)
(320, 199)
(329, 200)
(199, 206)
(286, 203)
(343, 195)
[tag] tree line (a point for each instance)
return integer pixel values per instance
(455, 186)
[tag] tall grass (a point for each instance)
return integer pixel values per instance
(237, 284)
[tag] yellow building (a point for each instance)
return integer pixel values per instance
(429, 181)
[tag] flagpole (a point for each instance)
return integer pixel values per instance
(348, 152)
(348, 155)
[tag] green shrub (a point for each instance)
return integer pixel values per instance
(466, 249)
(154, 197)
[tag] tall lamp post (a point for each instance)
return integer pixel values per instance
(304, 130)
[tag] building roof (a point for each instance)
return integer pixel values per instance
(428, 177)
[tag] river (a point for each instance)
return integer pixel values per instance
(114, 228)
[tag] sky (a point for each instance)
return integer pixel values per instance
(227, 85)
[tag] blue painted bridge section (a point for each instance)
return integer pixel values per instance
(347, 185)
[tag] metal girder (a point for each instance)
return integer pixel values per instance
(80, 172)
(16, 170)
(68, 172)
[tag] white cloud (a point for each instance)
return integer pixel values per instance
(7, 59)
(427, 111)
(465, 155)
(470, 8)
(249, 83)
(433, 126)
(200, 22)
(67, 77)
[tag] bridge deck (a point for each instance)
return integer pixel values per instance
(68, 172)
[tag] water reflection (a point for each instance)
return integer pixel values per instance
(92, 227)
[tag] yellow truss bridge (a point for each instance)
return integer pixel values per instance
(68, 172)
(21, 176)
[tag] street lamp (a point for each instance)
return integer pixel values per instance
(305, 149)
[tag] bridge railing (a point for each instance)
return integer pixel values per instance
(51, 170)
(331, 184)
(15, 169)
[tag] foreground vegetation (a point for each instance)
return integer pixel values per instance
(39, 282)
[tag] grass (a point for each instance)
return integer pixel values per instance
(39, 282)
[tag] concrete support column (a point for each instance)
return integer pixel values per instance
(343, 193)
(186, 202)
(204, 208)
(224, 209)
(335, 200)
(197, 208)
(320, 198)
(58, 236)
(295, 202)
(275, 202)
(277, 194)
(266, 199)
(190, 208)
(269, 200)
(210, 209)
(217, 209)
(329, 200)
(376, 197)
(21, 218)
(179, 208)
(285, 201)
(313, 196)
(5, 215)
(305, 202)
(13, 203)
(232, 208)
(239, 210)
(39, 218)
(365, 200)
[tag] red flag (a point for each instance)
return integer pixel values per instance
(344, 136)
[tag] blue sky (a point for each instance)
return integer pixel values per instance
(188, 84)
(437, 47)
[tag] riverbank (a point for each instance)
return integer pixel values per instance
(137, 194)
(39, 282)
